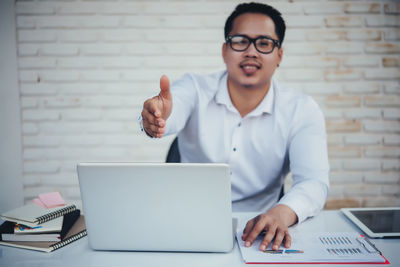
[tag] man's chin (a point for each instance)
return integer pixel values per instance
(248, 86)
(248, 83)
(253, 85)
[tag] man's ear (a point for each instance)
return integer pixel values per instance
(224, 51)
(280, 55)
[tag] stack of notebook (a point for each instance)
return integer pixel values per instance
(42, 227)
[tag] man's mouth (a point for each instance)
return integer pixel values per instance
(250, 68)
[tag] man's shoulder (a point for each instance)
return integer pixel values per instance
(289, 95)
(290, 100)
(208, 80)
(207, 84)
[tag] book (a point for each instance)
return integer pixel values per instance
(47, 227)
(54, 230)
(32, 215)
(48, 231)
(77, 231)
(312, 248)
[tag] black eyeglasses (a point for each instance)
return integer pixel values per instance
(263, 44)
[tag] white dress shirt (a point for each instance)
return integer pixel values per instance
(285, 132)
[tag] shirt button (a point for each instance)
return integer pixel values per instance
(234, 149)
(239, 124)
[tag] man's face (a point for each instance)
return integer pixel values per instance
(250, 68)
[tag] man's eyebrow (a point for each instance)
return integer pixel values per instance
(268, 36)
(260, 35)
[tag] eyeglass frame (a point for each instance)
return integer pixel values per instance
(252, 41)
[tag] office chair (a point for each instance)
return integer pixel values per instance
(174, 156)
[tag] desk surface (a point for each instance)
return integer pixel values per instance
(79, 254)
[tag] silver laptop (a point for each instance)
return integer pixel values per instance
(157, 206)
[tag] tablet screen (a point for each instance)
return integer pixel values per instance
(380, 221)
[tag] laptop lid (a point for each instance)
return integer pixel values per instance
(376, 222)
(157, 206)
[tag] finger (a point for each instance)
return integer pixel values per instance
(280, 235)
(164, 86)
(153, 129)
(148, 117)
(288, 240)
(147, 129)
(152, 125)
(255, 232)
(247, 229)
(151, 119)
(269, 235)
(152, 106)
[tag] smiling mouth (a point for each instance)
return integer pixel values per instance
(249, 68)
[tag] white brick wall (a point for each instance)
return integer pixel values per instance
(85, 68)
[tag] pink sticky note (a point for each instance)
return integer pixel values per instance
(51, 200)
(38, 202)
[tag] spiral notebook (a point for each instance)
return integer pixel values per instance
(33, 215)
(11, 232)
(77, 231)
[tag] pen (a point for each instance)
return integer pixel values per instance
(270, 251)
(373, 245)
(294, 251)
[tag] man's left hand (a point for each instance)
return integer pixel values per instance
(275, 223)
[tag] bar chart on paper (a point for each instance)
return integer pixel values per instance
(346, 247)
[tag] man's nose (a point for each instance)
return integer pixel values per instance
(251, 51)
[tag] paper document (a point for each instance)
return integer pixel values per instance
(315, 248)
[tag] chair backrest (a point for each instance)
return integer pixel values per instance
(174, 156)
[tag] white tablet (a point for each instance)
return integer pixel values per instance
(376, 222)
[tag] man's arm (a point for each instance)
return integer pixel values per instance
(156, 110)
(168, 112)
(309, 166)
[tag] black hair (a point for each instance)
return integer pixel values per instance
(265, 9)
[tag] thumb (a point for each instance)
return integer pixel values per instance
(164, 86)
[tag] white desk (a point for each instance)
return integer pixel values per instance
(79, 254)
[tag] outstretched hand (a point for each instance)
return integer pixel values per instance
(156, 110)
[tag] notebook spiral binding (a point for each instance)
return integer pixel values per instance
(55, 214)
(69, 240)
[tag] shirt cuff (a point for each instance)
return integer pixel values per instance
(297, 207)
(300, 204)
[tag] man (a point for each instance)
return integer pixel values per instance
(245, 118)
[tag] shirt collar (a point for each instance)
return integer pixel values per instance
(222, 96)
(266, 105)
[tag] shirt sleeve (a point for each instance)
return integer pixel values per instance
(308, 156)
(184, 98)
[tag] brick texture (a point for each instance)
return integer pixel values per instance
(85, 68)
